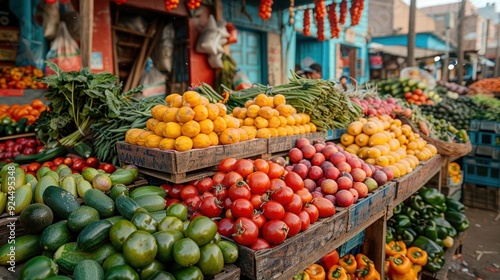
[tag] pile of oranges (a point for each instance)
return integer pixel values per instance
(16, 112)
(24, 77)
(387, 142)
(190, 121)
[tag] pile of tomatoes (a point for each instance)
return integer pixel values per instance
(356, 10)
(307, 22)
(259, 209)
(418, 97)
(265, 9)
(76, 164)
(320, 12)
(21, 146)
(343, 12)
(171, 4)
(193, 4)
(332, 18)
(24, 77)
(16, 112)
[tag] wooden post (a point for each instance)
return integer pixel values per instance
(410, 60)
(374, 243)
(460, 43)
(87, 15)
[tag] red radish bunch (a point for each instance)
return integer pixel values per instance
(332, 18)
(307, 22)
(319, 13)
(171, 4)
(265, 9)
(375, 106)
(193, 4)
(343, 12)
(356, 11)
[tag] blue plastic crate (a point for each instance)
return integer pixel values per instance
(472, 136)
(334, 134)
(487, 151)
(474, 125)
(482, 171)
(488, 138)
(353, 245)
(490, 126)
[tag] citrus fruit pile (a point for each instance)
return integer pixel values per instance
(387, 142)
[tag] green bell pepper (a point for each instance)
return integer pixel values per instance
(402, 221)
(398, 209)
(435, 253)
(407, 235)
(458, 220)
(388, 235)
(455, 205)
(417, 203)
(430, 211)
(445, 225)
(432, 196)
(430, 230)
(413, 214)
(441, 208)
(435, 264)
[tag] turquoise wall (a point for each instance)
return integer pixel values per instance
(422, 40)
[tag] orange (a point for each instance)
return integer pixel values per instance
(204, 101)
(263, 133)
(305, 118)
(394, 144)
(361, 139)
(397, 122)
(363, 120)
(249, 102)
(302, 129)
(290, 120)
(167, 144)
(171, 98)
(206, 126)
(432, 148)
(200, 113)
(421, 143)
(395, 171)
(191, 98)
(313, 127)
(230, 136)
(190, 129)
(170, 114)
(363, 152)
(158, 129)
(397, 131)
(382, 161)
(176, 102)
(352, 149)
(172, 130)
(201, 141)
(248, 121)
(213, 111)
(183, 143)
(401, 167)
(279, 99)
(383, 149)
(284, 110)
(231, 122)
(261, 100)
(395, 156)
(270, 101)
(222, 109)
(251, 131)
(219, 125)
(273, 131)
(401, 152)
(214, 139)
(355, 128)
(243, 134)
(377, 139)
(373, 153)
(402, 140)
(266, 112)
(242, 114)
(132, 135)
(253, 111)
(151, 123)
(236, 111)
(296, 130)
(282, 131)
(406, 129)
(157, 112)
(346, 139)
(370, 161)
(274, 122)
(184, 114)
(289, 130)
(307, 126)
(412, 145)
(370, 128)
(298, 118)
(391, 159)
(153, 141)
(261, 122)
(283, 121)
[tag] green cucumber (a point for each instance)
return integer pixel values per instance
(53, 174)
(23, 198)
(52, 153)
(147, 190)
(13, 179)
(82, 217)
(39, 267)
(63, 172)
(59, 277)
(123, 176)
(24, 247)
(82, 187)
(89, 173)
(60, 201)
(126, 206)
(55, 235)
(88, 269)
(115, 219)
(68, 255)
(94, 235)
(100, 202)
(68, 183)
(42, 171)
(30, 177)
(3, 202)
(36, 217)
(43, 183)
(118, 189)
(159, 215)
(83, 150)
(151, 202)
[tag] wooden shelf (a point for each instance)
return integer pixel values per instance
(31, 134)
(130, 31)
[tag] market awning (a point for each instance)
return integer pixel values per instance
(402, 51)
(487, 62)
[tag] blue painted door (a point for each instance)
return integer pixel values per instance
(249, 55)
(312, 51)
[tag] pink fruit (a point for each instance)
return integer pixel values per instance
(318, 189)
(301, 142)
(306, 162)
(318, 159)
(308, 151)
(358, 174)
(330, 197)
(316, 194)
(368, 171)
(343, 166)
(309, 184)
(354, 194)
(301, 170)
(319, 181)
(388, 172)
(361, 188)
(344, 183)
(371, 184)
(329, 186)
(329, 150)
(347, 155)
(295, 155)
(380, 177)
(354, 162)
(315, 172)
(337, 158)
(289, 168)
(319, 147)
(344, 198)
(346, 174)
(326, 165)
(332, 173)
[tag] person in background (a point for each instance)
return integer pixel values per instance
(343, 83)
(471, 80)
(314, 71)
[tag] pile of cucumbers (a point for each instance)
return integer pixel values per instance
(458, 111)
(9, 127)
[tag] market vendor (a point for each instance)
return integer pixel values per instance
(314, 71)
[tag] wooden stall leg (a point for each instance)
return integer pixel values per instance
(374, 244)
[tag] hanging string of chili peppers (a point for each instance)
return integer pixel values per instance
(265, 9)
(307, 22)
(319, 13)
(193, 4)
(332, 18)
(119, 2)
(291, 10)
(343, 12)
(356, 11)
(171, 4)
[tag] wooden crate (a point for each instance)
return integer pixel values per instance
(410, 183)
(5, 220)
(230, 272)
(286, 143)
(366, 207)
(296, 253)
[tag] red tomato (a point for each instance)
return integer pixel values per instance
(54, 167)
(220, 192)
(211, 207)
(58, 161)
(325, 207)
(294, 181)
(226, 165)
(176, 191)
(304, 195)
(188, 191)
(109, 168)
(259, 220)
(260, 244)
(230, 179)
(225, 227)
(25, 168)
(261, 165)
(239, 190)
(245, 231)
(275, 170)
(39, 149)
(83, 169)
(34, 166)
(48, 164)
(244, 167)
(259, 182)
(305, 220)
(330, 259)
(283, 195)
(227, 203)
(167, 188)
(275, 232)
(273, 210)
(293, 222)
(92, 162)
(257, 200)
(207, 194)
(171, 201)
(204, 185)
(242, 208)
(101, 166)
(229, 214)
(193, 203)
(78, 165)
(217, 178)
(295, 206)
(195, 215)
(68, 161)
(312, 211)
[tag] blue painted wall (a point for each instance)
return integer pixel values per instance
(422, 40)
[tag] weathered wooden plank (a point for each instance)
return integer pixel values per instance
(230, 272)
(181, 177)
(374, 244)
(245, 149)
(285, 259)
